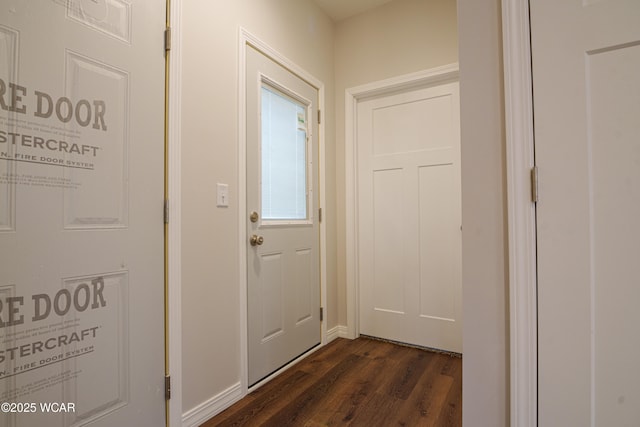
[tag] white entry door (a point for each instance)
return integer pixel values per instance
(81, 225)
(282, 225)
(409, 231)
(586, 78)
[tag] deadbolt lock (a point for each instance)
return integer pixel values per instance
(256, 240)
(254, 216)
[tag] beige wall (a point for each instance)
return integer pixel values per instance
(400, 37)
(210, 247)
(484, 247)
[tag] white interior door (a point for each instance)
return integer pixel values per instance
(81, 227)
(409, 227)
(586, 78)
(282, 187)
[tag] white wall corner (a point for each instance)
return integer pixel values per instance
(338, 331)
(521, 212)
(207, 410)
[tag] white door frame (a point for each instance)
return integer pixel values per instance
(521, 212)
(352, 97)
(247, 39)
(174, 231)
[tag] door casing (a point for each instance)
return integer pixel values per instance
(521, 213)
(247, 39)
(173, 234)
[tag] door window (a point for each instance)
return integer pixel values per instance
(284, 157)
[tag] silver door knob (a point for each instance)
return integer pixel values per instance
(256, 240)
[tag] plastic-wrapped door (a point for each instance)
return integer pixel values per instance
(81, 226)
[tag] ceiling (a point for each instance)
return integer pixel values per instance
(341, 9)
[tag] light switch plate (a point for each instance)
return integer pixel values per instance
(223, 195)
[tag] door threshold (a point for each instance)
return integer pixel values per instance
(421, 347)
(283, 368)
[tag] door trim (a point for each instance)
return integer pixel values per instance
(520, 158)
(353, 95)
(246, 39)
(174, 231)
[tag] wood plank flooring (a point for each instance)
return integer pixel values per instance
(360, 382)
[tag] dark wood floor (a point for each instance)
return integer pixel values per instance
(362, 382)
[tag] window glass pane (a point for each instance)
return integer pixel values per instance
(284, 157)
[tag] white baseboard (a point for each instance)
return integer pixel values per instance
(339, 331)
(196, 416)
(206, 410)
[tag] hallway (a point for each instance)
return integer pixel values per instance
(363, 382)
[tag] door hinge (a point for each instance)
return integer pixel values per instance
(320, 215)
(321, 314)
(319, 116)
(166, 211)
(167, 39)
(167, 387)
(534, 184)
